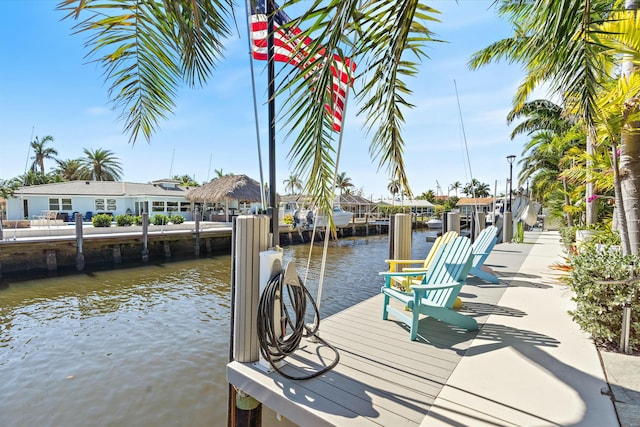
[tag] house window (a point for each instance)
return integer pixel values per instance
(111, 204)
(56, 204)
(172, 206)
(99, 204)
(157, 207)
(184, 207)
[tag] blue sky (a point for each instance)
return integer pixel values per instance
(48, 88)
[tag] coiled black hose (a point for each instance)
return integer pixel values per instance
(274, 348)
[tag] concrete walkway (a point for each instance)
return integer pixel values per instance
(530, 365)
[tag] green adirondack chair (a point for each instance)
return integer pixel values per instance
(481, 248)
(437, 292)
(396, 264)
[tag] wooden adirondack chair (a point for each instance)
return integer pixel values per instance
(482, 247)
(438, 290)
(403, 283)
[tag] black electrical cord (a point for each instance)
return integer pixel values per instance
(273, 347)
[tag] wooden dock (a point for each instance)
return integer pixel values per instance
(382, 379)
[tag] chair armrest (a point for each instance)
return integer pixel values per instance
(435, 286)
(404, 261)
(396, 273)
(415, 270)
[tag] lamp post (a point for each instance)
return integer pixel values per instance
(510, 159)
(507, 220)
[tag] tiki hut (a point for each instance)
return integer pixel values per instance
(229, 189)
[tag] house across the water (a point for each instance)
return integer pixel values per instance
(89, 198)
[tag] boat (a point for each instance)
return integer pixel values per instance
(434, 223)
(308, 218)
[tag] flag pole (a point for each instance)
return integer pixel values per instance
(273, 207)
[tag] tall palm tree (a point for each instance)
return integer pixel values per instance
(292, 184)
(394, 188)
(621, 35)
(550, 129)
(40, 153)
(553, 41)
(101, 165)
(456, 186)
(149, 48)
(343, 182)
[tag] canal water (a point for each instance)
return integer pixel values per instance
(147, 346)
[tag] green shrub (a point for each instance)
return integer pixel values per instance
(160, 219)
(124, 220)
(598, 309)
(101, 220)
(176, 219)
(137, 220)
(567, 237)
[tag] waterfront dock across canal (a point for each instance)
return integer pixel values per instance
(528, 365)
(48, 248)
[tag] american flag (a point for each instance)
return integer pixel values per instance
(290, 47)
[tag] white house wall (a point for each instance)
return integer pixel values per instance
(83, 204)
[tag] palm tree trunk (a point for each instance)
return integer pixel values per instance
(630, 165)
(623, 229)
(630, 185)
(567, 202)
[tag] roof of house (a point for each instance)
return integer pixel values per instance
(102, 188)
(470, 201)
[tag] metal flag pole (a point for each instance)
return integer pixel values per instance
(273, 208)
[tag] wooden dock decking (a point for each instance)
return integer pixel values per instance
(382, 379)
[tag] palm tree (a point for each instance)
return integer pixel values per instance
(149, 49)
(343, 182)
(40, 153)
(71, 170)
(456, 186)
(394, 188)
(553, 41)
(292, 184)
(483, 190)
(32, 178)
(8, 188)
(551, 132)
(186, 180)
(101, 165)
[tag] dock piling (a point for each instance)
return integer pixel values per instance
(145, 237)
(250, 236)
(197, 243)
(79, 242)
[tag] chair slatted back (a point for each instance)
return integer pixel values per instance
(445, 238)
(483, 245)
(451, 264)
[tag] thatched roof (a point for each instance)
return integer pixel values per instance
(228, 187)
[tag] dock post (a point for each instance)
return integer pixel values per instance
(1, 235)
(145, 237)
(79, 240)
(453, 222)
(507, 227)
(400, 237)
(480, 223)
(207, 244)
(197, 243)
(167, 249)
(250, 236)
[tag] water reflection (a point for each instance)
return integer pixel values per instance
(145, 346)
